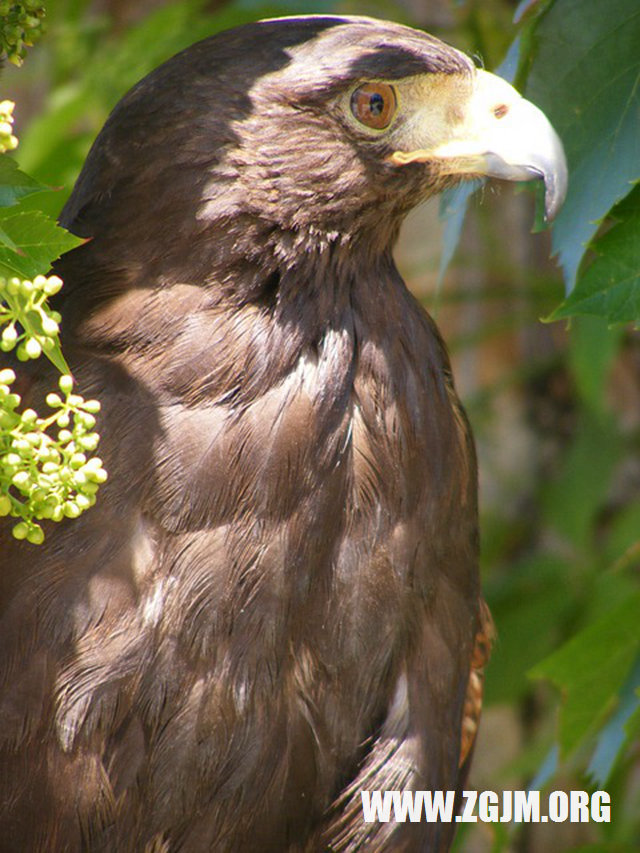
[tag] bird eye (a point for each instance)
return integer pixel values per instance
(374, 104)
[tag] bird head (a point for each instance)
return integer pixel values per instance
(298, 131)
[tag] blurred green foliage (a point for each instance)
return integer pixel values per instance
(563, 585)
(579, 60)
(561, 553)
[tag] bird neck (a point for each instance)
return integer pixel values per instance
(265, 301)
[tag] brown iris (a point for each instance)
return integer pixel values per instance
(374, 104)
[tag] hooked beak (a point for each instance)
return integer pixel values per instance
(501, 135)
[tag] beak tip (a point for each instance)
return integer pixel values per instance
(555, 191)
(551, 208)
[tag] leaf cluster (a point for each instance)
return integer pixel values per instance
(579, 61)
(45, 472)
(563, 576)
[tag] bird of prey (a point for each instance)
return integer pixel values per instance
(274, 604)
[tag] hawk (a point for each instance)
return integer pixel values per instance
(275, 603)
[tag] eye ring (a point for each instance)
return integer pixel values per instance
(374, 105)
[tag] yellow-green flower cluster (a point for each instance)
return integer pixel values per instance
(28, 321)
(7, 140)
(21, 25)
(46, 467)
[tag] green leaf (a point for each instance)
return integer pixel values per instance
(5, 240)
(606, 847)
(585, 76)
(56, 357)
(591, 668)
(571, 500)
(453, 208)
(593, 346)
(622, 543)
(614, 736)
(632, 725)
(528, 610)
(14, 184)
(526, 7)
(39, 240)
(610, 286)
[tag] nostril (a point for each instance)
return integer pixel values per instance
(500, 111)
